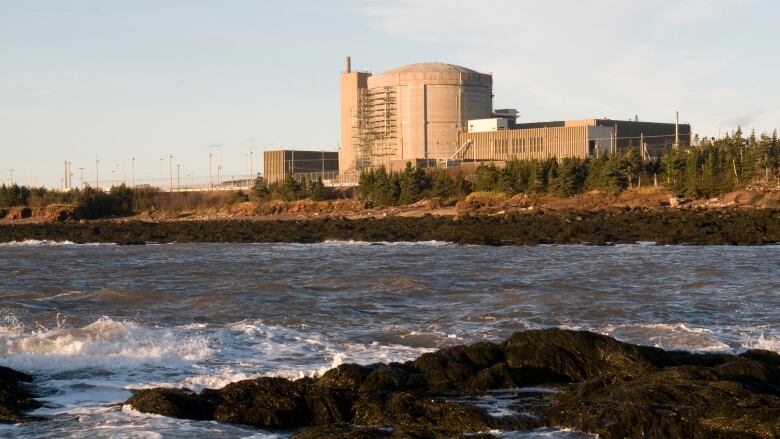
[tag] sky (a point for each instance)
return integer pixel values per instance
(147, 79)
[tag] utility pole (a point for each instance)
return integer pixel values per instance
(162, 177)
(249, 183)
(219, 169)
(178, 177)
(676, 129)
(133, 172)
(97, 173)
(210, 185)
(65, 179)
(170, 172)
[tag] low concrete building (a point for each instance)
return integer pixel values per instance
(536, 143)
(309, 165)
(572, 138)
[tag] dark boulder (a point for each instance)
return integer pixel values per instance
(344, 377)
(577, 355)
(15, 397)
(409, 410)
(176, 403)
(455, 368)
(263, 402)
(682, 401)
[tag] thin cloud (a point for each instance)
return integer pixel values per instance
(571, 59)
(39, 92)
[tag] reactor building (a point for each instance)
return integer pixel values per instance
(411, 112)
(438, 114)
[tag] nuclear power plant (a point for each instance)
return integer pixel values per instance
(440, 114)
(435, 114)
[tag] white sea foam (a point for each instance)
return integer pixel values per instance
(668, 336)
(769, 343)
(35, 242)
(388, 243)
(47, 242)
(105, 343)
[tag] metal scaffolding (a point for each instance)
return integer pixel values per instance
(374, 128)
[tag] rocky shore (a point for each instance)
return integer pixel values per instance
(15, 398)
(561, 378)
(664, 226)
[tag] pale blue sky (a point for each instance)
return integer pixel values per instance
(152, 78)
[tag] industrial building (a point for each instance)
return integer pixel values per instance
(414, 111)
(438, 114)
(489, 139)
(309, 165)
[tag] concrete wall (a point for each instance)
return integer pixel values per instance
(434, 102)
(351, 83)
(535, 143)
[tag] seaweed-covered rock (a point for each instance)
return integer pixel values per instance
(175, 403)
(455, 368)
(577, 355)
(603, 386)
(681, 401)
(409, 410)
(15, 398)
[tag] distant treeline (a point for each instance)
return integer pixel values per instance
(123, 200)
(711, 168)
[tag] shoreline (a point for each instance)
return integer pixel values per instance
(662, 226)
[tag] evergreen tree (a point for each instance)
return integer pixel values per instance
(411, 182)
(443, 185)
(485, 177)
(385, 188)
(569, 177)
(462, 185)
(317, 191)
(290, 189)
(260, 189)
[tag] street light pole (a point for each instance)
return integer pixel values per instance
(170, 171)
(178, 177)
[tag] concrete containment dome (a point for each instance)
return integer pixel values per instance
(431, 67)
(416, 111)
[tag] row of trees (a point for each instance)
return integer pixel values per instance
(92, 203)
(289, 189)
(722, 165)
(711, 168)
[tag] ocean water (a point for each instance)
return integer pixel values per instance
(93, 322)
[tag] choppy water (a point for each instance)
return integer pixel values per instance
(92, 322)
